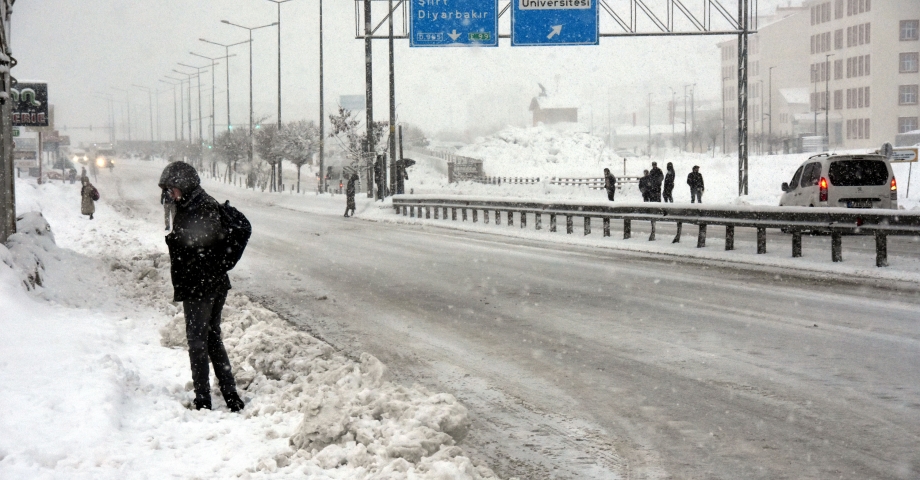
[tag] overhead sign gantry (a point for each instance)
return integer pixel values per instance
(454, 23)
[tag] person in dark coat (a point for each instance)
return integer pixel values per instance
(610, 184)
(695, 180)
(199, 281)
(88, 195)
(655, 177)
(350, 194)
(644, 186)
(669, 183)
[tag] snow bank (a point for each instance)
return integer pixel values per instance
(97, 384)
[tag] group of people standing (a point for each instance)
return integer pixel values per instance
(652, 181)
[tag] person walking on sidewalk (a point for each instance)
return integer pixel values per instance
(350, 194)
(610, 184)
(669, 184)
(88, 197)
(199, 280)
(695, 180)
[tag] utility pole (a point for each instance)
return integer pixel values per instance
(227, 56)
(181, 109)
(693, 114)
(369, 97)
(175, 108)
(742, 97)
(279, 2)
(7, 179)
(392, 147)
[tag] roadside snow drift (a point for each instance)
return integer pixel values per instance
(97, 384)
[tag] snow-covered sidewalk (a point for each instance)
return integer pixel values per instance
(97, 384)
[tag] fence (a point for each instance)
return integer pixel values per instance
(795, 220)
(596, 183)
(507, 180)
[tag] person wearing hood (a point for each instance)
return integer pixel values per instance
(655, 177)
(350, 194)
(610, 184)
(88, 196)
(645, 186)
(669, 184)
(199, 281)
(695, 180)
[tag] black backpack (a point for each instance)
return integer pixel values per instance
(238, 232)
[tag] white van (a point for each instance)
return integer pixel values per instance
(850, 181)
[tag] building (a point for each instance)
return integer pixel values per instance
(552, 109)
(858, 59)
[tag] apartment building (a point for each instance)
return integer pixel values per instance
(859, 61)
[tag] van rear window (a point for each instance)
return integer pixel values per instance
(858, 173)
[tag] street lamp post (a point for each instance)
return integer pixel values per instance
(227, 55)
(189, 96)
(181, 109)
(149, 104)
(724, 144)
(770, 130)
(128, 103)
(175, 109)
(322, 122)
(278, 3)
(827, 103)
(251, 120)
(213, 88)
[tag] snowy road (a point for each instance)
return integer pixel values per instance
(582, 363)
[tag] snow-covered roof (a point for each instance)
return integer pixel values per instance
(554, 101)
(795, 95)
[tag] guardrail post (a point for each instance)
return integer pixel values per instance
(680, 226)
(552, 222)
(836, 247)
(627, 228)
(436, 213)
(651, 236)
(475, 215)
(405, 210)
(427, 212)
(463, 214)
(510, 218)
(498, 217)
(444, 216)
(587, 225)
(881, 250)
(453, 214)
(537, 217)
(606, 226)
(412, 212)
(485, 216)
(796, 244)
(729, 237)
(569, 228)
(761, 240)
(701, 238)
(523, 219)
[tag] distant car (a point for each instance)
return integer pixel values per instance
(79, 156)
(850, 181)
(63, 164)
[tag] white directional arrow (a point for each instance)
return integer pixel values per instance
(454, 35)
(557, 29)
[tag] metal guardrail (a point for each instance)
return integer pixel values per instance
(793, 220)
(596, 183)
(507, 180)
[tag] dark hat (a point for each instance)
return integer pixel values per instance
(180, 175)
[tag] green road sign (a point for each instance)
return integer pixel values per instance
(15, 132)
(480, 36)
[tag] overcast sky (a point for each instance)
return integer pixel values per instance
(85, 48)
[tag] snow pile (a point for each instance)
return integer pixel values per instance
(544, 151)
(97, 384)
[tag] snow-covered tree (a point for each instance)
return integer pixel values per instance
(232, 146)
(299, 141)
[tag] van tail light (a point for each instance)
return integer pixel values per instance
(894, 184)
(822, 185)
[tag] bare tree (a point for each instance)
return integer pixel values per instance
(345, 130)
(299, 141)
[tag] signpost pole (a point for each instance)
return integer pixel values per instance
(39, 157)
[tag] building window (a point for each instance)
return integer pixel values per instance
(838, 39)
(868, 104)
(838, 99)
(908, 62)
(909, 30)
(838, 9)
(838, 69)
(860, 66)
(907, 95)
(907, 124)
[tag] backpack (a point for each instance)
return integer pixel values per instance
(238, 232)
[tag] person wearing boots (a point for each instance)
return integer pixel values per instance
(669, 184)
(610, 184)
(88, 196)
(695, 180)
(199, 281)
(350, 194)
(655, 177)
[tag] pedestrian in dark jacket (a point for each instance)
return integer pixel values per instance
(350, 194)
(655, 177)
(644, 186)
(199, 281)
(695, 180)
(669, 183)
(610, 184)
(88, 196)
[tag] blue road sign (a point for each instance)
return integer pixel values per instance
(553, 22)
(453, 23)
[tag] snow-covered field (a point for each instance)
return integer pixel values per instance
(97, 383)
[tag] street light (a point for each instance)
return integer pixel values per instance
(250, 29)
(182, 110)
(213, 87)
(175, 104)
(322, 123)
(128, 102)
(149, 104)
(200, 119)
(188, 80)
(770, 131)
(227, 55)
(827, 103)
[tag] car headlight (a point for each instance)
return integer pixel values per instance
(100, 162)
